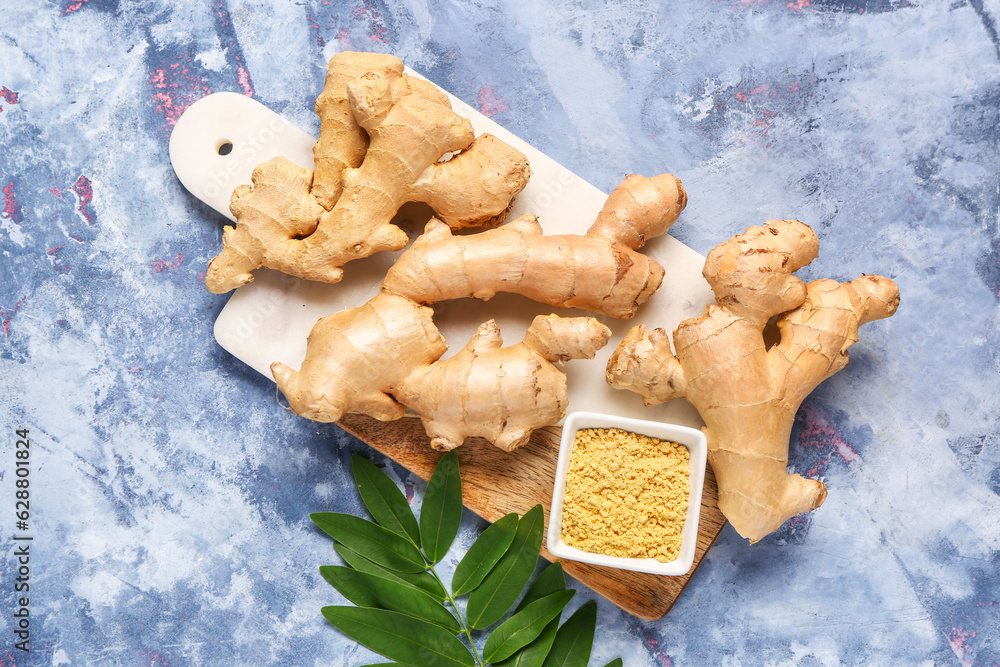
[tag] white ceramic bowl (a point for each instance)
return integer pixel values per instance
(691, 438)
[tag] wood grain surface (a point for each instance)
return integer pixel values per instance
(495, 483)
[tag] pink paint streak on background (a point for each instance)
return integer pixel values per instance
(11, 208)
(84, 191)
(820, 432)
(167, 266)
(7, 313)
(243, 78)
(488, 102)
(377, 31)
(74, 6)
(654, 646)
(958, 639)
(57, 263)
(8, 96)
(795, 5)
(175, 88)
(766, 103)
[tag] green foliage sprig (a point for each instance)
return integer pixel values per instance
(405, 612)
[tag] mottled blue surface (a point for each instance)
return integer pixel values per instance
(171, 491)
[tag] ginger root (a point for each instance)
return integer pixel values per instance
(599, 271)
(501, 393)
(748, 393)
(384, 140)
(385, 356)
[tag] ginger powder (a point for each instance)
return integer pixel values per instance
(626, 494)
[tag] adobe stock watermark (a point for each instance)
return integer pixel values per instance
(243, 151)
(21, 562)
(264, 308)
(548, 193)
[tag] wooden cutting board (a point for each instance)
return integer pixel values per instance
(214, 147)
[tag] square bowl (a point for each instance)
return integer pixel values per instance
(691, 438)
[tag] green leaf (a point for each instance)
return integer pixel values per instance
(425, 581)
(385, 664)
(575, 638)
(550, 580)
(523, 627)
(533, 655)
(368, 590)
(617, 662)
(504, 583)
(384, 500)
(371, 541)
(441, 512)
(400, 637)
(484, 554)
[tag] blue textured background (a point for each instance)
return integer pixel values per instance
(171, 492)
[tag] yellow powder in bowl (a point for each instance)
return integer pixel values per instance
(626, 494)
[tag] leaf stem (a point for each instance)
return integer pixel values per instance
(461, 620)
